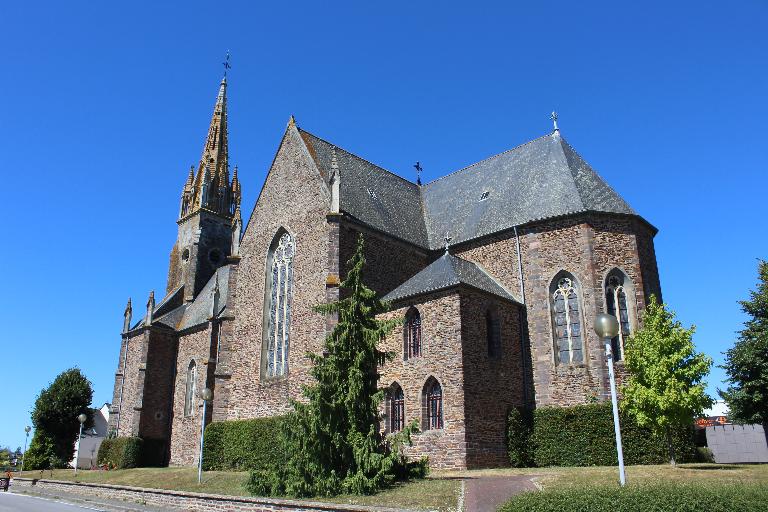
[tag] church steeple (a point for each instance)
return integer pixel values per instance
(210, 188)
(208, 213)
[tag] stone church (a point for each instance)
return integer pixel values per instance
(496, 269)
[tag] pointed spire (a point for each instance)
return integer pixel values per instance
(150, 309)
(335, 179)
(190, 179)
(237, 230)
(127, 317)
(213, 169)
(215, 294)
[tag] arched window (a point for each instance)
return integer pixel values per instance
(278, 304)
(396, 408)
(493, 333)
(412, 334)
(616, 304)
(189, 395)
(566, 319)
(433, 404)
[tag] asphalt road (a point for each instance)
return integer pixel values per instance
(10, 502)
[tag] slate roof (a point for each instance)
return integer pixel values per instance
(372, 194)
(541, 179)
(446, 272)
(198, 311)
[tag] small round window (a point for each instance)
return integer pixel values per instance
(215, 256)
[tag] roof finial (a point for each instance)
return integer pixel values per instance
(227, 65)
(418, 168)
(447, 241)
(553, 117)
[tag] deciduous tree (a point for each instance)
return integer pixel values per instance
(55, 419)
(665, 387)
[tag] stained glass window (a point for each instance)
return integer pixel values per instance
(412, 334)
(189, 395)
(280, 280)
(396, 408)
(493, 333)
(616, 304)
(567, 321)
(434, 405)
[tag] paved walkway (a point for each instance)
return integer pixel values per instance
(488, 493)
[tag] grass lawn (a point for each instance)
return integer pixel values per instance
(428, 494)
(556, 478)
(440, 491)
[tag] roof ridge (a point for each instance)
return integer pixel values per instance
(357, 156)
(488, 158)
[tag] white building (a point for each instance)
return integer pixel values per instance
(91, 440)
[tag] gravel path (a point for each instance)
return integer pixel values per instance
(488, 493)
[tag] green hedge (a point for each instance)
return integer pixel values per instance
(583, 435)
(643, 498)
(121, 452)
(243, 445)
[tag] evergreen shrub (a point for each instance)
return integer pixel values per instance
(643, 498)
(583, 435)
(244, 445)
(121, 452)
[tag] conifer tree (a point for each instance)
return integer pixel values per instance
(665, 388)
(333, 440)
(746, 363)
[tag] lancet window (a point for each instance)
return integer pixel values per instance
(433, 401)
(396, 408)
(280, 288)
(493, 334)
(412, 334)
(566, 320)
(616, 304)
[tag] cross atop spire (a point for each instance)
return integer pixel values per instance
(553, 117)
(418, 168)
(227, 65)
(447, 241)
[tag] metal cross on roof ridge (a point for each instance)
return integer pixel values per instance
(447, 239)
(553, 117)
(418, 168)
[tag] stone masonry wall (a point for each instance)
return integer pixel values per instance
(441, 358)
(183, 500)
(158, 385)
(587, 246)
(294, 198)
(388, 263)
(185, 436)
(492, 385)
(131, 391)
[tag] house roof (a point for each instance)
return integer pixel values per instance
(541, 179)
(446, 272)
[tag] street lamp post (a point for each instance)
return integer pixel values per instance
(206, 395)
(606, 326)
(81, 418)
(24, 455)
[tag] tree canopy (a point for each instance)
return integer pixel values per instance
(54, 417)
(665, 387)
(333, 440)
(746, 363)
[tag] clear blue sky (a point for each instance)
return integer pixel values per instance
(106, 105)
